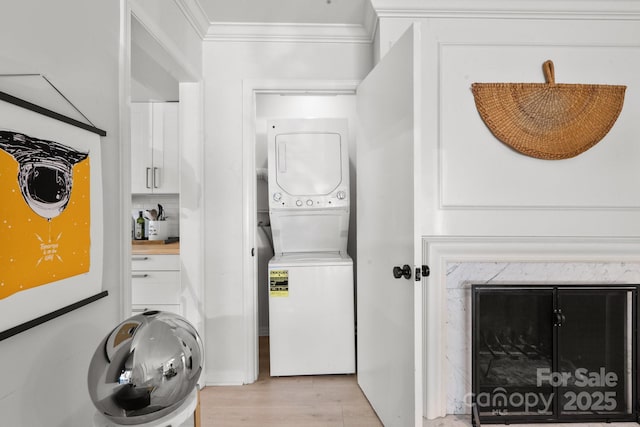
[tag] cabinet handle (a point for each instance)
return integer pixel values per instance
(139, 258)
(139, 276)
(147, 184)
(155, 178)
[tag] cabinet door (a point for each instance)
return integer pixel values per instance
(155, 287)
(141, 148)
(141, 308)
(155, 262)
(165, 169)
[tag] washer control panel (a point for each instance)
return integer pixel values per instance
(337, 198)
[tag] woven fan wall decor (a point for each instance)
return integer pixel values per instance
(549, 120)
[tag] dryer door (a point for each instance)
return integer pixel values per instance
(308, 163)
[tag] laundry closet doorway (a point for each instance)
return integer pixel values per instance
(389, 312)
(276, 100)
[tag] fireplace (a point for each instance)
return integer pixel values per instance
(554, 353)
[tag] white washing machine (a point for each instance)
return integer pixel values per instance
(311, 294)
(311, 314)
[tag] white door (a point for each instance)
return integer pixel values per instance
(389, 310)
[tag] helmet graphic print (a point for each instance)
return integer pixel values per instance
(45, 175)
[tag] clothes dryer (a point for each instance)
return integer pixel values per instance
(308, 169)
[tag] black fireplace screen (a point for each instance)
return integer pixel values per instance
(554, 353)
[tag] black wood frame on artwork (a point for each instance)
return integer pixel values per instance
(40, 318)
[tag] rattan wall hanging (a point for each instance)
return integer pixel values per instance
(549, 120)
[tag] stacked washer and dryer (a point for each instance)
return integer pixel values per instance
(311, 292)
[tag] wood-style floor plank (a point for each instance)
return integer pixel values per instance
(303, 401)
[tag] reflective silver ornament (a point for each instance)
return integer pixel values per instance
(145, 368)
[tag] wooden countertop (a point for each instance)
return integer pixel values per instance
(154, 247)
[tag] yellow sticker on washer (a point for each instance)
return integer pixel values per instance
(279, 283)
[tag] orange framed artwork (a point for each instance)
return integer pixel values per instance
(50, 215)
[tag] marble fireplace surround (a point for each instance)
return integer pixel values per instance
(456, 263)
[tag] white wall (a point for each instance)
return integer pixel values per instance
(225, 66)
(191, 205)
(150, 79)
(181, 53)
(474, 184)
(75, 44)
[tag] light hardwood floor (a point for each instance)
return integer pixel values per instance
(465, 421)
(306, 401)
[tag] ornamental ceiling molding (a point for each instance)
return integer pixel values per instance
(348, 33)
(196, 16)
(277, 32)
(514, 9)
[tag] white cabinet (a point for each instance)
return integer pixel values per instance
(154, 148)
(155, 283)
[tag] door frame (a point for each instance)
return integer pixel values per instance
(125, 156)
(192, 106)
(250, 89)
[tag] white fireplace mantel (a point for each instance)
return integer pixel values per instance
(457, 262)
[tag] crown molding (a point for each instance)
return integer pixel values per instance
(192, 10)
(343, 33)
(547, 9)
(277, 32)
(284, 32)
